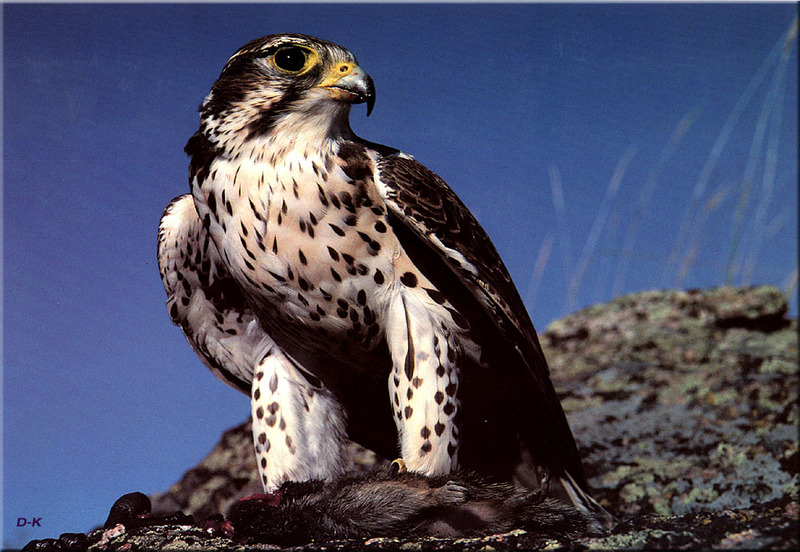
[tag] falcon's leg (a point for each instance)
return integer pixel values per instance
(298, 426)
(422, 386)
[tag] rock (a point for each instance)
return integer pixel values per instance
(684, 406)
(682, 401)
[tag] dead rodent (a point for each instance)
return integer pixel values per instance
(388, 504)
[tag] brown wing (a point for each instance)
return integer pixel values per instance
(437, 229)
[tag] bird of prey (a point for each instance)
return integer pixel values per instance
(348, 290)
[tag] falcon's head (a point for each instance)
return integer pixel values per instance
(282, 82)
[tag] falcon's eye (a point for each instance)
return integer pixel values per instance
(291, 58)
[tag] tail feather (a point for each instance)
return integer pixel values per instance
(581, 499)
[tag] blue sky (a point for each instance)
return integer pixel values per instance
(686, 104)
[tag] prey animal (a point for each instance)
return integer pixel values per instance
(348, 290)
(407, 505)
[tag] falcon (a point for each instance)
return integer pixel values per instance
(348, 290)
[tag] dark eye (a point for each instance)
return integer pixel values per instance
(290, 58)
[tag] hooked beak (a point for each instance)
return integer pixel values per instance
(350, 83)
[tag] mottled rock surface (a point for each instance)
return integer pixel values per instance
(684, 406)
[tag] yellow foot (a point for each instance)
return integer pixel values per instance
(397, 466)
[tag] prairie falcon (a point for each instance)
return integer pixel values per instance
(348, 290)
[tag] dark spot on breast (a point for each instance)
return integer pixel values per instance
(378, 277)
(409, 279)
(336, 229)
(212, 204)
(407, 412)
(362, 297)
(333, 253)
(438, 397)
(321, 195)
(380, 227)
(449, 408)
(369, 318)
(350, 220)
(439, 428)
(302, 257)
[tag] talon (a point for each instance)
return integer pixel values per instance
(453, 493)
(397, 466)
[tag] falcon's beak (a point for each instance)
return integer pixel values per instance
(348, 82)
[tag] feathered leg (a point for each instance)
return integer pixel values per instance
(298, 427)
(422, 387)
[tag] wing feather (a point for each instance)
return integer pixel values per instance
(428, 216)
(204, 300)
